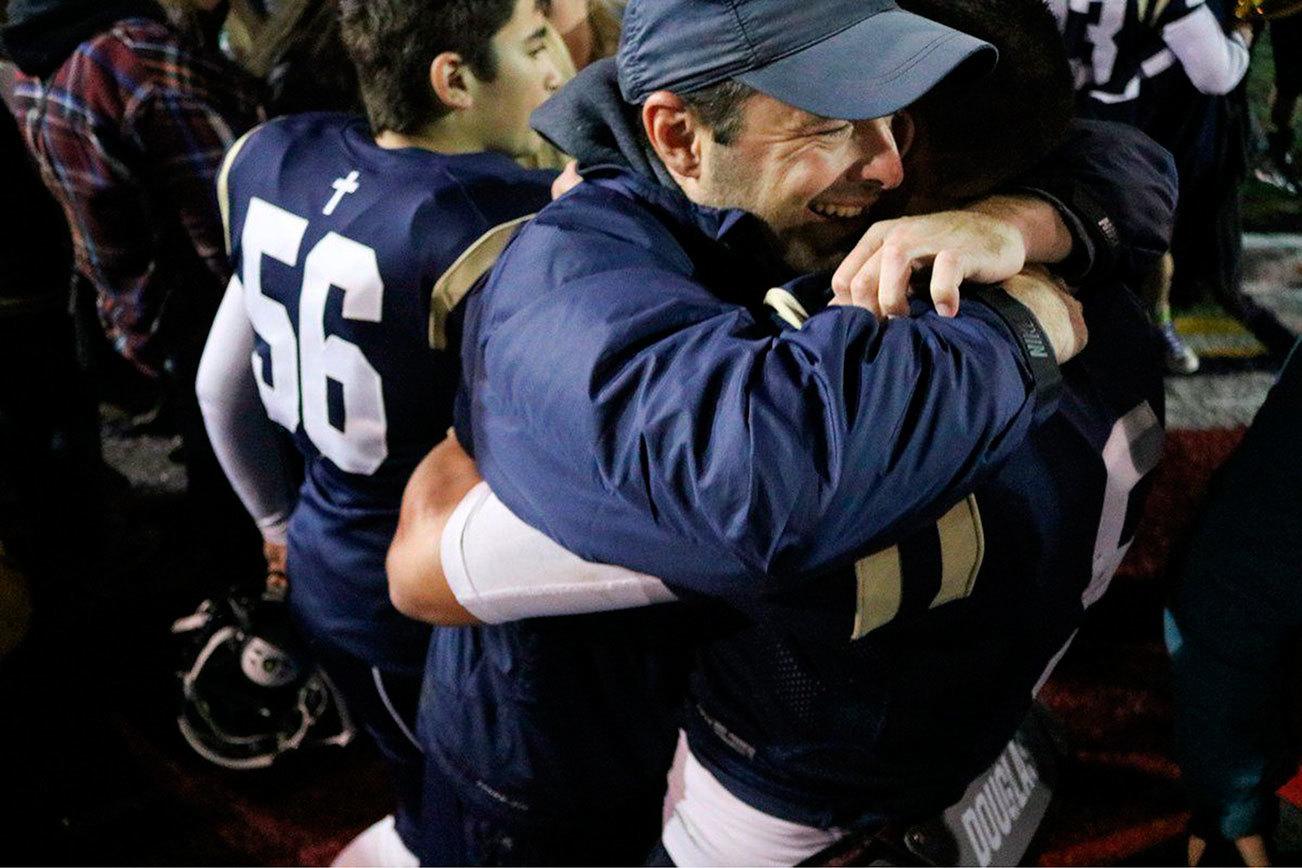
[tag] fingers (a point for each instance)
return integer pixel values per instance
(1197, 847)
(1252, 849)
(850, 269)
(865, 284)
(882, 284)
(947, 275)
(893, 290)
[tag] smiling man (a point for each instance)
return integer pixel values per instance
(632, 395)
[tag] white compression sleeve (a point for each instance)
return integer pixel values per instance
(243, 438)
(501, 569)
(1214, 62)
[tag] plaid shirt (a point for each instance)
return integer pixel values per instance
(130, 133)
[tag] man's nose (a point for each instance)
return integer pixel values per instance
(880, 159)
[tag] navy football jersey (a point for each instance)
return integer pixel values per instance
(337, 244)
(882, 691)
(1123, 68)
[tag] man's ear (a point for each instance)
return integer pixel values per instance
(905, 130)
(674, 133)
(450, 78)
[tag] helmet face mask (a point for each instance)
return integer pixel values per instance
(248, 692)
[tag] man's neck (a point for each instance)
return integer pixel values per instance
(442, 137)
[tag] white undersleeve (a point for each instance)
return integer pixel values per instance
(246, 442)
(1214, 62)
(708, 825)
(501, 569)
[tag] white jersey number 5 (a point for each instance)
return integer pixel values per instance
(302, 366)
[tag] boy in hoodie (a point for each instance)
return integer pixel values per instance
(338, 234)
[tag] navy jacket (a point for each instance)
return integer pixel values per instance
(627, 391)
(631, 399)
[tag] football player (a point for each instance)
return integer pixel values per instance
(1155, 64)
(882, 687)
(338, 232)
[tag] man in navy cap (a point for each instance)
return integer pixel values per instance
(630, 394)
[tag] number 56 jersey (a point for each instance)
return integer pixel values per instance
(337, 244)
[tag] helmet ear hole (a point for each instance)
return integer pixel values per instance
(249, 692)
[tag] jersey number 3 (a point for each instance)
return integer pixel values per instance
(302, 366)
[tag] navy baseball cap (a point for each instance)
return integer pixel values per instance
(843, 59)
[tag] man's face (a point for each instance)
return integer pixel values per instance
(813, 181)
(526, 77)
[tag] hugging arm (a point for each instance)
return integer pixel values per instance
(1115, 188)
(677, 435)
(1101, 206)
(461, 557)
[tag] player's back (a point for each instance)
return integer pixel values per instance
(897, 682)
(338, 244)
(1120, 56)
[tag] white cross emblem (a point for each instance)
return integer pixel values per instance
(343, 186)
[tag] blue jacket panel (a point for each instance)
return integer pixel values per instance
(824, 709)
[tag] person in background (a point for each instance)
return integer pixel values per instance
(1166, 67)
(128, 122)
(301, 57)
(1286, 45)
(339, 230)
(1232, 630)
(590, 28)
(50, 466)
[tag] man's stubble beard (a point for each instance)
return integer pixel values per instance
(734, 186)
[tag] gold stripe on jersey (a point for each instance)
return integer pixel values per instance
(962, 549)
(881, 584)
(471, 265)
(223, 188)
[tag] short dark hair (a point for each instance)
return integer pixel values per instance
(989, 130)
(719, 108)
(393, 42)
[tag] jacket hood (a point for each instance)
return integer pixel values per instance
(42, 34)
(589, 120)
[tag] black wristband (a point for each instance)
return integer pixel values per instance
(1036, 347)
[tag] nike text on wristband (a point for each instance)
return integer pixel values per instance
(1031, 337)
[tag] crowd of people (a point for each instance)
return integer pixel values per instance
(761, 391)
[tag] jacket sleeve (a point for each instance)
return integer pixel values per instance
(638, 420)
(1116, 189)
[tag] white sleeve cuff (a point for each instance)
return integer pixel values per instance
(276, 530)
(501, 569)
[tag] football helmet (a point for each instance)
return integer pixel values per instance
(249, 693)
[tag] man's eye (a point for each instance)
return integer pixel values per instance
(835, 132)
